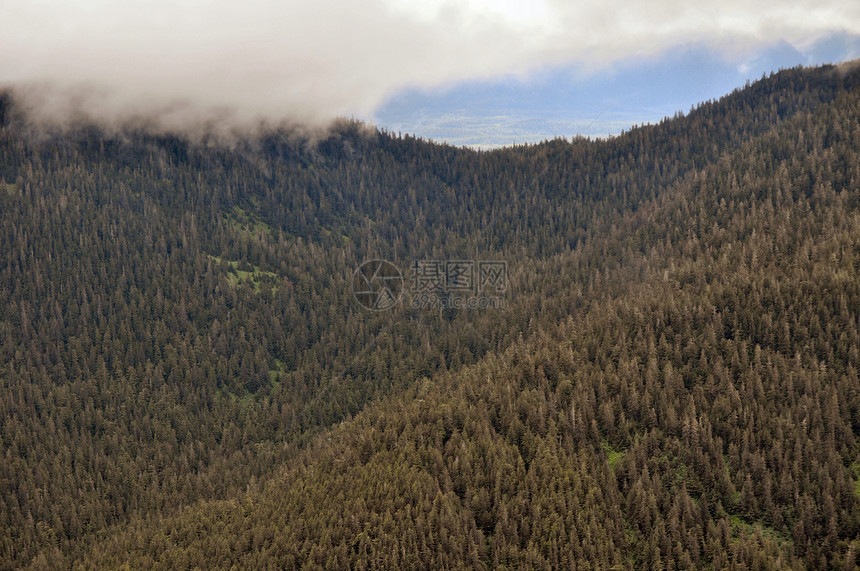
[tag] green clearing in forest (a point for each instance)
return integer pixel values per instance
(256, 277)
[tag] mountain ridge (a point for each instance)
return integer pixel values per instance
(648, 254)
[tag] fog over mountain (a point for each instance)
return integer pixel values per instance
(194, 60)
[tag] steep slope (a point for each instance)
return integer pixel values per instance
(178, 323)
(704, 414)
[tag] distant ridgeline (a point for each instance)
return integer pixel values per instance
(186, 379)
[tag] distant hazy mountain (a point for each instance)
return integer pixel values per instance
(570, 101)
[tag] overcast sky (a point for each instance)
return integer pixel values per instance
(310, 61)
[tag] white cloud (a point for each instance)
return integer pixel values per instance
(312, 60)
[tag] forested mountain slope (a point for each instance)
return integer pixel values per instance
(673, 379)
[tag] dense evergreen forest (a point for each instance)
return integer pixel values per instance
(186, 380)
